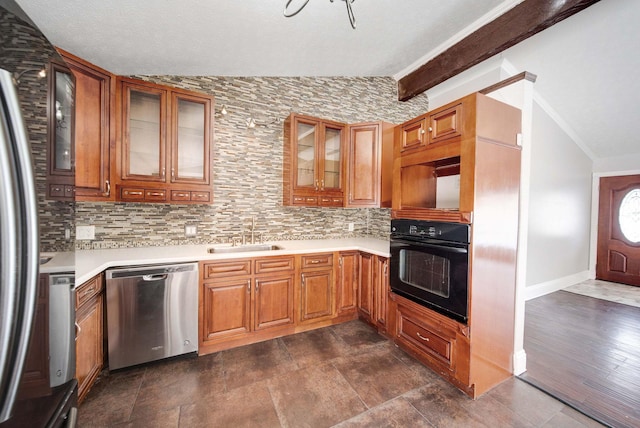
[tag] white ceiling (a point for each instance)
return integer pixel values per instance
(586, 65)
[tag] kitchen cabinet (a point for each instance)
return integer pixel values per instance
(373, 290)
(431, 128)
(313, 161)
(380, 292)
(243, 296)
(365, 286)
(93, 129)
(35, 375)
(476, 140)
(164, 148)
(60, 132)
(89, 333)
(369, 165)
(347, 282)
(316, 287)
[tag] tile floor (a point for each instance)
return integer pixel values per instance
(344, 375)
(611, 291)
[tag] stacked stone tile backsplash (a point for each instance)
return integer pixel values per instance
(247, 167)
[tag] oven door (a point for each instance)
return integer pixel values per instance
(431, 273)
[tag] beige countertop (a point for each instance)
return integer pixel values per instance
(89, 263)
(60, 262)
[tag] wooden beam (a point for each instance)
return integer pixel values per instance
(521, 22)
(525, 75)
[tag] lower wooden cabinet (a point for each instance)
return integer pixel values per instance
(365, 286)
(347, 282)
(316, 295)
(89, 333)
(242, 297)
(373, 290)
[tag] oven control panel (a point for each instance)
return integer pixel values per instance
(422, 229)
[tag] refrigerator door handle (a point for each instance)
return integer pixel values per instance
(18, 246)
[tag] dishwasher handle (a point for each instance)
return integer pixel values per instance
(152, 272)
(155, 277)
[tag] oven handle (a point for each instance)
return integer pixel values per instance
(434, 246)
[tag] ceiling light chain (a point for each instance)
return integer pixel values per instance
(352, 18)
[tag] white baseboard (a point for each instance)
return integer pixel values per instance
(519, 362)
(533, 291)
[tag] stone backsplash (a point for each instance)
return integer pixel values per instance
(247, 167)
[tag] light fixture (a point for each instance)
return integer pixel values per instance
(352, 18)
(252, 123)
(223, 111)
(42, 73)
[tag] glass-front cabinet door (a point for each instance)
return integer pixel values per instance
(61, 120)
(144, 133)
(331, 178)
(191, 136)
(305, 173)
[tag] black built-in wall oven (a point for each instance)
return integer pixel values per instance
(430, 265)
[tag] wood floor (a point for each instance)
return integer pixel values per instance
(586, 352)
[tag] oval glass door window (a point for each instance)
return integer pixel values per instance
(629, 216)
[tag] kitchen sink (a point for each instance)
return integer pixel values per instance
(46, 257)
(243, 248)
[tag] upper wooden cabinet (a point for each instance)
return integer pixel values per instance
(370, 165)
(431, 128)
(328, 163)
(94, 129)
(164, 150)
(313, 161)
(447, 161)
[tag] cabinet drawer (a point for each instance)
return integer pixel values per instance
(227, 268)
(317, 260)
(305, 200)
(279, 264)
(201, 196)
(87, 290)
(327, 201)
(180, 195)
(155, 195)
(424, 337)
(132, 194)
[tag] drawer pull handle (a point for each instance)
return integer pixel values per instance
(314, 262)
(78, 330)
(108, 186)
(426, 339)
(156, 194)
(127, 192)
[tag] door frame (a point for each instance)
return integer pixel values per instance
(595, 205)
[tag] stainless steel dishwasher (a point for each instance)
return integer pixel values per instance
(152, 313)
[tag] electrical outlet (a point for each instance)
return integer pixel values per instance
(67, 233)
(190, 230)
(85, 232)
(350, 227)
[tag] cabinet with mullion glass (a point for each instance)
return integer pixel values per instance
(313, 161)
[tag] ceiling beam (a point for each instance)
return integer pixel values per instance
(517, 24)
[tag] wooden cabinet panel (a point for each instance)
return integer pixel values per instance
(316, 295)
(445, 124)
(233, 267)
(317, 260)
(94, 129)
(273, 301)
(87, 290)
(274, 264)
(414, 134)
(381, 291)
(226, 306)
(365, 286)
(418, 331)
(89, 352)
(347, 284)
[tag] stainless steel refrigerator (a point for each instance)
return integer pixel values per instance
(30, 223)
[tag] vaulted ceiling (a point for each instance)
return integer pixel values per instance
(586, 64)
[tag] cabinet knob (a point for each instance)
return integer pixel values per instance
(316, 186)
(422, 132)
(322, 185)
(430, 129)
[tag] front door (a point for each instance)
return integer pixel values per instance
(619, 230)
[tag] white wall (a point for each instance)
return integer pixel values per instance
(559, 207)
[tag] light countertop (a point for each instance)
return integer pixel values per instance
(89, 263)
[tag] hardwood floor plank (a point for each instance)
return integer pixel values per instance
(586, 352)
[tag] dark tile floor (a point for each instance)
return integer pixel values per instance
(345, 375)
